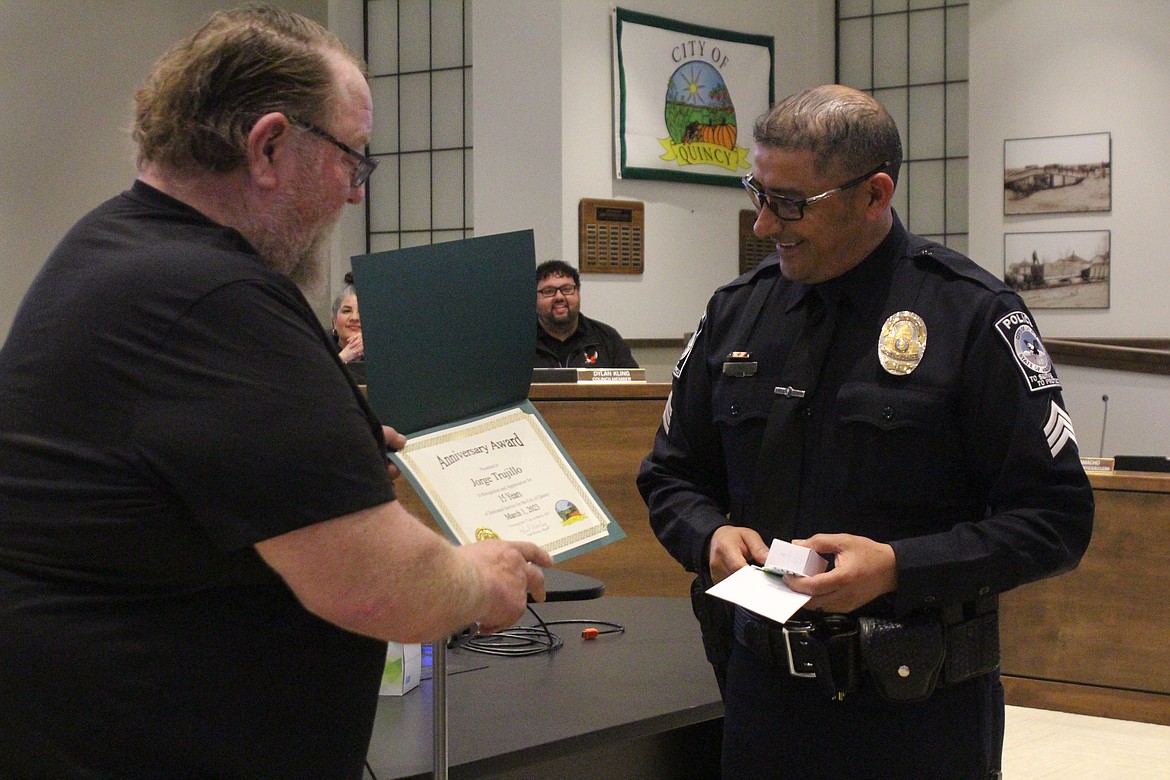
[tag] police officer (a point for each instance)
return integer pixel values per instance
(913, 433)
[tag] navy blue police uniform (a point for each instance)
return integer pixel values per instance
(959, 454)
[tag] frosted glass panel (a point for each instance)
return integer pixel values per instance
(895, 102)
(846, 8)
(416, 192)
(854, 55)
(912, 56)
(440, 236)
(956, 196)
(469, 115)
(927, 106)
(383, 36)
(899, 199)
(382, 194)
(469, 169)
(959, 244)
(414, 41)
(384, 242)
(927, 198)
(447, 176)
(889, 50)
(957, 119)
(467, 36)
(446, 39)
(419, 55)
(957, 44)
(415, 115)
(415, 239)
(384, 92)
(926, 55)
(447, 98)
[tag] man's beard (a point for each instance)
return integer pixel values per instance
(291, 233)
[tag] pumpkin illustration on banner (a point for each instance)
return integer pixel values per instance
(699, 107)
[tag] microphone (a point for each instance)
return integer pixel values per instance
(1104, 419)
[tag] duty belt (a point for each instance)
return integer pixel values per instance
(828, 648)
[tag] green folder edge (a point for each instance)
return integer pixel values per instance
(614, 531)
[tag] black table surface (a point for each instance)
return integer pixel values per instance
(505, 712)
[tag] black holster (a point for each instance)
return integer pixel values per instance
(716, 618)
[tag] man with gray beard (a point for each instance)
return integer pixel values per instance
(201, 554)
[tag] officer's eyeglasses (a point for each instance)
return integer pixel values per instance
(565, 290)
(363, 166)
(792, 209)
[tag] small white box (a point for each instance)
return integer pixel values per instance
(403, 669)
(787, 558)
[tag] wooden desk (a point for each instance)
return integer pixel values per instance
(607, 429)
(1094, 641)
(639, 704)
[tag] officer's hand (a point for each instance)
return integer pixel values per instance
(863, 570)
(731, 548)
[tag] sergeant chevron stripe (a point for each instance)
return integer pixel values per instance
(1058, 429)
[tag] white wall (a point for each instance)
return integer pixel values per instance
(68, 71)
(544, 140)
(1061, 67)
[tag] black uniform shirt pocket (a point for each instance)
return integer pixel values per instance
(898, 445)
(740, 407)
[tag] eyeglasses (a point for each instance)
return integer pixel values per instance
(363, 166)
(792, 209)
(565, 290)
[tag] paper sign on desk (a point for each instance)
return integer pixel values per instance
(448, 331)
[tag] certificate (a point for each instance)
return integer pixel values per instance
(505, 476)
(448, 331)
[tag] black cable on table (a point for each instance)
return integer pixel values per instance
(533, 640)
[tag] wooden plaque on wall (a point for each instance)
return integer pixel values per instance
(611, 236)
(752, 248)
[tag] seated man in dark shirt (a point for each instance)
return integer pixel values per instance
(566, 338)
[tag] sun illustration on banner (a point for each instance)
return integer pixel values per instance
(700, 119)
(568, 512)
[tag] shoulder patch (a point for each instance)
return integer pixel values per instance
(682, 360)
(1034, 361)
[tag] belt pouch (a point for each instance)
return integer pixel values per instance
(972, 648)
(904, 658)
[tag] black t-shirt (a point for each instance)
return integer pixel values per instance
(593, 345)
(166, 402)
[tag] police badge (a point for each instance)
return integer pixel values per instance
(902, 343)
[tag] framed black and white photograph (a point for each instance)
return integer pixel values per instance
(1060, 269)
(1058, 174)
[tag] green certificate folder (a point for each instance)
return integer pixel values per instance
(449, 335)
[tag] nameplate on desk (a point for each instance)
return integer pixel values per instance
(1098, 465)
(611, 375)
(590, 375)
